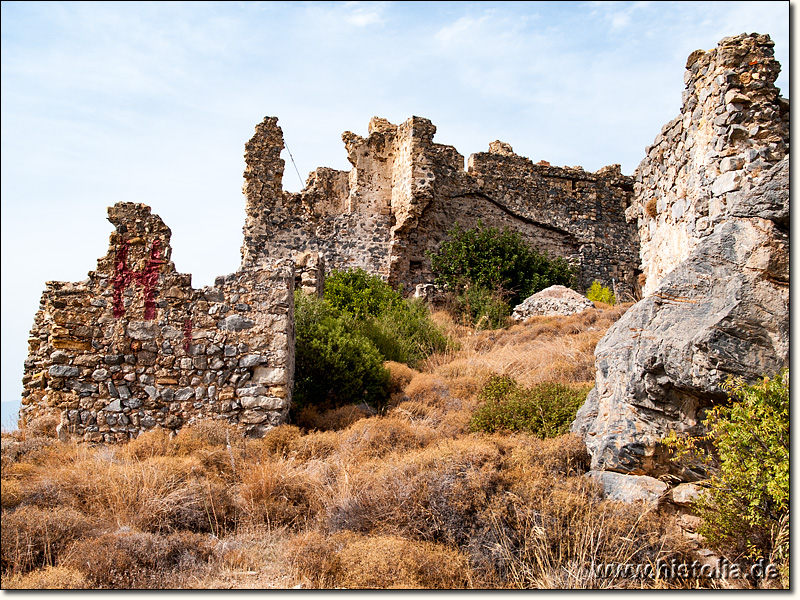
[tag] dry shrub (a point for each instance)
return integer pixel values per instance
(33, 537)
(414, 411)
(400, 375)
(10, 493)
(651, 208)
(544, 349)
(546, 531)
(168, 494)
(49, 578)
(277, 441)
(207, 434)
(126, 560)
(160, 494)
(332, 419)
(563, 455)
(379, 436)
(433, 494)
(282, 493)
(31, 449)
(316, 445)
(252, 558)
(429, 390)
(350, 560)
(44, 425)
(147, 445)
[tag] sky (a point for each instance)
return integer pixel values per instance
(106, 102)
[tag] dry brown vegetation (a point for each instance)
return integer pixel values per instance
(406, 499)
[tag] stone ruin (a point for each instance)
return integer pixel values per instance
(405, 193)
(135, 346)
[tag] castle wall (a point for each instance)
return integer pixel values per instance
(732, 128)
(134, 346)
(405, 193)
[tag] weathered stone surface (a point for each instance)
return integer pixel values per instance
(555, 300)
(63, 371)
(724, 311)
(236, 323)
(685, 494)
(629, 488)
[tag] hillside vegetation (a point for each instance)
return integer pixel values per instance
(422, 453)
(411, 497)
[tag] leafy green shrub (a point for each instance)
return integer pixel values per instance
(497, 259)
(745, 509)
(358, 293)
(545, 410)
(600, 293)
(334, 363)
(487, 258)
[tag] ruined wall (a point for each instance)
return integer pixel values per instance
(134, 346)
(732, 128)
(405, 193)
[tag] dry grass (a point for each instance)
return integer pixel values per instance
(350, 560)
(543, 349)
(408, 499)
(48, 578)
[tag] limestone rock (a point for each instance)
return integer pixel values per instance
(722, 312)
(629, 488)
(685, 494)
(555, 300)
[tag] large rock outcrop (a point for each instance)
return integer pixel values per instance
(722, 312)
(712, 205)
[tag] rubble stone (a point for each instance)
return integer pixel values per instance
(555, 300)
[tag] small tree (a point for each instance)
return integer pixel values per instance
(335, 365)
(745, 509)
(359, 293)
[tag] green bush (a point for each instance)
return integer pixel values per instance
(487, 258)
(358, 293)
(745, 509)
(600, 293)
(334, 363)
(545, 410)
(343, 340)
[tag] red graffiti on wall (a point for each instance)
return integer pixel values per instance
(187, 333)
(147, 278)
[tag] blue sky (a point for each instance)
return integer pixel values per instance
(153, 102)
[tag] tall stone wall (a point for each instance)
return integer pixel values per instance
(405, 192)
(732, 129)
(134, 346)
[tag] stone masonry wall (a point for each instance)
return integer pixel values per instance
(134, 346)
(732, 128)
(405, 192)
